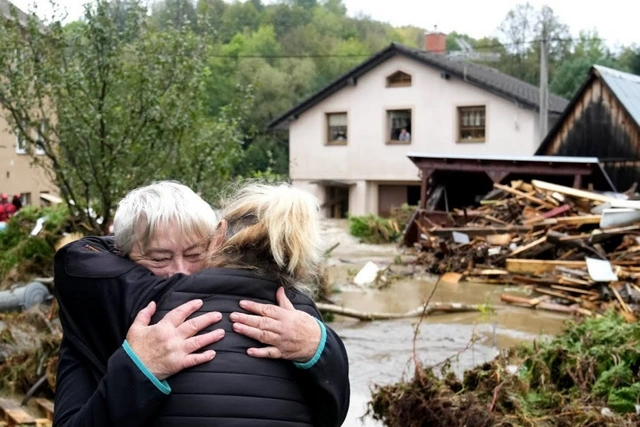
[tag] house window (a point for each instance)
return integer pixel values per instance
(471, 124)
(399, 126)
(21, 145)
(337, 128)
(399, 79)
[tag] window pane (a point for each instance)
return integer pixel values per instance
(337, 119)
(399, 120)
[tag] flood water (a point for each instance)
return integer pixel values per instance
(380, 352)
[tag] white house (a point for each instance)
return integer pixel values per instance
(347, 144)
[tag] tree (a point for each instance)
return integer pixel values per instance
(111, 107)
(522, 30)
(588, 50)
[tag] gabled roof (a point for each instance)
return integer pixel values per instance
(624, 86)
(478, 75)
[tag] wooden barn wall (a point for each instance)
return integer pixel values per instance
(598, 126)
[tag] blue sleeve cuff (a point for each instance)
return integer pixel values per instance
(163, 386)
(316, 357)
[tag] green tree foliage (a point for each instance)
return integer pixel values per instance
(112, 106)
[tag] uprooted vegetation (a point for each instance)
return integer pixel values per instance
(587, 376)
(23, 255)
(374, 229)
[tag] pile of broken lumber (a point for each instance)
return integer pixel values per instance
(578, 250)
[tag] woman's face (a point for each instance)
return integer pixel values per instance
(170, 252)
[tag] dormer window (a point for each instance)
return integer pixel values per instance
(399, 79)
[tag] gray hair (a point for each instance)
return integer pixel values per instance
(161, 204)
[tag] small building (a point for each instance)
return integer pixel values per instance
(348, 142)
(451, 183)
(603, 121)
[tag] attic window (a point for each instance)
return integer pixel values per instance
(399, 79)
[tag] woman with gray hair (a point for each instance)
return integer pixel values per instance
(268, 253)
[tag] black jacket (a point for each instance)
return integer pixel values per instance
(98, 385)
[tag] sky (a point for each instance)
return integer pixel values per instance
(615, 20)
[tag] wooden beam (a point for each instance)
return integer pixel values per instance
(479, 231)
(571, 191)
(537, 266)
(527, 196)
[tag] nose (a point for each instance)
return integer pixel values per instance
(179, 265)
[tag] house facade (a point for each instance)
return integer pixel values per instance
(18, 175)
(349, 142)
(603, 121)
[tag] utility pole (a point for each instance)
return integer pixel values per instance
(544, 87)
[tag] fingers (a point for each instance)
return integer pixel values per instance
(198, 359)
(268, 310)
(265, 353)
(195, 325)
(283, 301)
(179, 314)
(259, 322)
(144, 316)
(265, 337)
(199, 341)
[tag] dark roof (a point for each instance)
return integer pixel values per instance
(481, 76)
(624, 86)
(547, 166)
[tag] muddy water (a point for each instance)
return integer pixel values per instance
(380, 352)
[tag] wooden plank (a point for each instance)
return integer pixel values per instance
(19, 417)
(624, 306)
(478, 231)
(527, 196)
(14, 415)
(565, 280)
(557, 294)
(46, 406)
(43, 422)
(550, 214)
(579, 220)
(528, 246)
(537, 266)
(574, 192)
(574, 290)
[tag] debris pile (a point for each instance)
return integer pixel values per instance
(578, 250)
(29, 241)
(586, 376)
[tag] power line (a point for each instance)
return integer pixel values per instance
(366, 55)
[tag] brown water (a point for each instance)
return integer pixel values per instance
(380, 352)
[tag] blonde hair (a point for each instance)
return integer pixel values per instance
(275, 230)
(142, 211)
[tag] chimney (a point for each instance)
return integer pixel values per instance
(435, 42)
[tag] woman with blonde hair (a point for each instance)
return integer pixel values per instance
(267, 255)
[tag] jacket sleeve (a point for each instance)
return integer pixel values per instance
(124, 396)
(327, 378)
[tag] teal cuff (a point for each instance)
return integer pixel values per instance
(316, 357)
(163, 386)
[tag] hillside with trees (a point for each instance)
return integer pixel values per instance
(185, 88)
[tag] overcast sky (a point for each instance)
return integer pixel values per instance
(615, 20)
